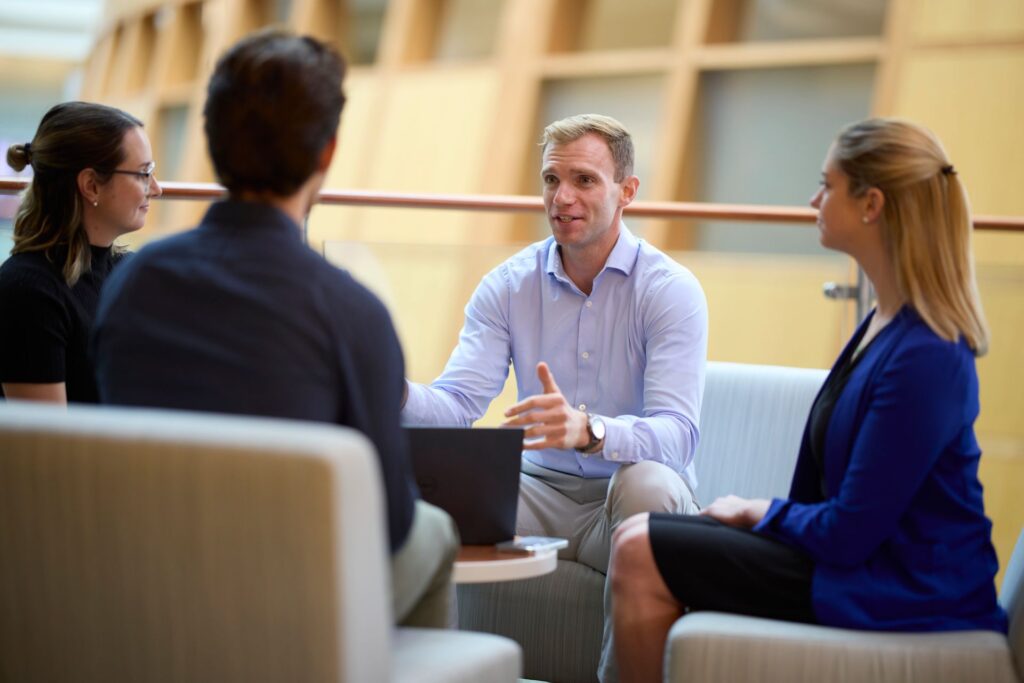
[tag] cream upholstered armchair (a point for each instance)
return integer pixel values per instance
(751, 421)
(710, 646)
(140, 545)
(750, 426)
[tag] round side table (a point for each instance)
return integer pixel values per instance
(484, 564)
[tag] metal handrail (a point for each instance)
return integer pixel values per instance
(514, 203)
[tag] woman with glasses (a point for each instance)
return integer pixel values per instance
(92, 182)
(884, 527)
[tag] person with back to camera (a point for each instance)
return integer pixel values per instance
(93, 181)
(240, 316)
(884, 527)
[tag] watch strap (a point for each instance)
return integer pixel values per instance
(596, 443)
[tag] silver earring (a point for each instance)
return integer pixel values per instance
(863, 219)
(97, 204)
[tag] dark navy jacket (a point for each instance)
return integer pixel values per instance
(239, 316)
(900, 540)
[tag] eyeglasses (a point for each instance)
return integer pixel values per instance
(147, 175)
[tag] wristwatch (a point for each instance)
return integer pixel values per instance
(595, 430)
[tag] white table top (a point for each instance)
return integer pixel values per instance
(484, 564)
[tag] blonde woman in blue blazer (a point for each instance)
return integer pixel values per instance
(884, 527)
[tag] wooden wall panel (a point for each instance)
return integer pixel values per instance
(413, 124)
(999, 372)
(353, 159)
(965, 98)
(770, 309)
(939, 20)
(433, 136)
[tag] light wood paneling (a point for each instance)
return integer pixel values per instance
(434, 137)
(615, 25)
(356, 150)
(410, 32)
(975, 20)
(769, 309)
(180, 48)
(414, 124)
(802, 53)
(964, 97)
(999, 372)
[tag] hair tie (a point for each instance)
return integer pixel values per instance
(948, 170)
(28, 152)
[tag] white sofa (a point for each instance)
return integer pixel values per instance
(751, 422)
(711, 646)
(140, 545)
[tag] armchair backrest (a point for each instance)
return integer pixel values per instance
(751, 422)
(1011, 597)
(159, 546)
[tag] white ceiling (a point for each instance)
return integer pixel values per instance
(61, 30)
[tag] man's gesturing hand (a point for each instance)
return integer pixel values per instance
(549, 419)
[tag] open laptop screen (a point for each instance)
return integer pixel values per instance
(472, 474)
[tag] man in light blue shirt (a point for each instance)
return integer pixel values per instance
(621, 326)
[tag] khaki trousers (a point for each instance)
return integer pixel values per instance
(587, 511)
(421, 570)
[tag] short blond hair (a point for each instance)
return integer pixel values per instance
(615, 135)
(926, 222)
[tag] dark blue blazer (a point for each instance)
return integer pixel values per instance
(900, 540)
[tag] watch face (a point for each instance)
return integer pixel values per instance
(597, 428)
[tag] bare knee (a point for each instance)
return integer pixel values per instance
(633, 564)
(629, 523)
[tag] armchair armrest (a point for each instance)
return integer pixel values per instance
(711, 646)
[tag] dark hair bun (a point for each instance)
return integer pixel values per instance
(17, 157)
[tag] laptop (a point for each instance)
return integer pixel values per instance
(472, 474)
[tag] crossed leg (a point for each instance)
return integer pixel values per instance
(643, 607)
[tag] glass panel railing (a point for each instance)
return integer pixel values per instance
(780, 20)
(764, 308)
(750, 152)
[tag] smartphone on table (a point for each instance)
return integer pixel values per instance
(530, 544)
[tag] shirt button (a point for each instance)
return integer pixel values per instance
(589, 303)
(583, 406)
(615, 455)
(586, 355)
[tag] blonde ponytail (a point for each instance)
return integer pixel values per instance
(926, 223)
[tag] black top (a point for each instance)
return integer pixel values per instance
(239, 316)
(821, 411)
(45, 325)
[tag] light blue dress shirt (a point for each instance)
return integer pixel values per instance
(632, 352)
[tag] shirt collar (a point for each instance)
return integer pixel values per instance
(623, 257)
(625, 252)
(233, 213)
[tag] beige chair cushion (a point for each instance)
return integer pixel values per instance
(710, 646)
(433, 656)
(142, 545)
